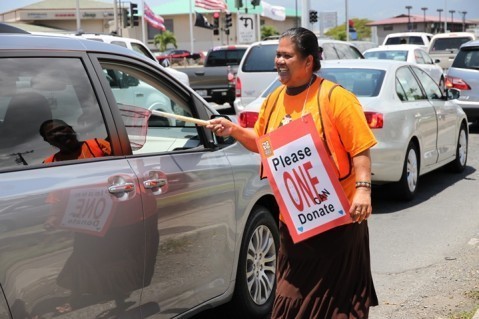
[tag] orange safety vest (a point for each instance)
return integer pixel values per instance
(329, 135)
(92, 145)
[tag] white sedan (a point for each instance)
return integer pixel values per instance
(409, 53)
(417, 127)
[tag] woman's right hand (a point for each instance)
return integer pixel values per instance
(221, 126)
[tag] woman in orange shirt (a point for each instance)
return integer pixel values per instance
(328, 275)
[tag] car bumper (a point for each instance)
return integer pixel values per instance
(387, 161)
(470, 108)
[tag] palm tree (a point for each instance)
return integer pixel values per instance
(164, 38)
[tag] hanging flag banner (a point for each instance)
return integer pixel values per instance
(211, 4)
(202, 22)
(156, 21)
(303, 179)
(273, 12)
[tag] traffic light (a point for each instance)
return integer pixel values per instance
(313, 16)
(216, 23)
(134, 18)
(125, 19)
(238, 4)
(255, 3)
(216, 20)
(228, 20)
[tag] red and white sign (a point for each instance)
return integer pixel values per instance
(303, 179)
(88, 211)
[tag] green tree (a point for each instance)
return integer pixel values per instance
(267, 31)
(363, 31)
(163, 39)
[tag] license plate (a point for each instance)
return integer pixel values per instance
(202, 93)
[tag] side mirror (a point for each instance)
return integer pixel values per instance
(453, 94)
(437, 61)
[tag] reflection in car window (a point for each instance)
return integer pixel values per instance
(407, 87)
(35, 90)
(137, 94)
(433, 91)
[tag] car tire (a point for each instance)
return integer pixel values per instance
(407, 185)
(459, 163)
(256, 275)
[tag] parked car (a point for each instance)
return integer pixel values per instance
(152, 217)
(174, 56)
(418, 38)
(444, 46)
(257, 68)
(463, 75)
(215, 79)
(417, 127)
(409, 53)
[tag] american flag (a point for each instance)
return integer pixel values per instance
(211, 4)
(156, 21)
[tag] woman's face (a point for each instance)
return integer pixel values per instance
(293, 69)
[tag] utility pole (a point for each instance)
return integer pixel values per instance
(452, 19)
(409, 17)
(425, 26)
(440, 27)
(305, 13)
(464, 20)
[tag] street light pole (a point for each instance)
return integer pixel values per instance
(440, 27)
(425, 26)
(409, 17)
(452, 19)
(464, 20)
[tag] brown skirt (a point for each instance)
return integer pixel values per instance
(325, 277)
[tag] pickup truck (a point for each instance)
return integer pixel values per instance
(215, 79)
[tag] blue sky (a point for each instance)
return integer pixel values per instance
(369, 9)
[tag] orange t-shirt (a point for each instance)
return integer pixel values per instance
(346, 115)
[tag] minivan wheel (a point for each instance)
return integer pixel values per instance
(407, 185)
(256, 275)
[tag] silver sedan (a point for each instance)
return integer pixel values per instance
(417, 127)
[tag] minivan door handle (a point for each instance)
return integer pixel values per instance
(154, 183)
(121, 188)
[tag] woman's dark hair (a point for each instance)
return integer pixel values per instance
(306, 43)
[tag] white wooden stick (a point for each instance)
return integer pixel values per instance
(181, 117)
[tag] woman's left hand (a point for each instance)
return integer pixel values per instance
(361, 207)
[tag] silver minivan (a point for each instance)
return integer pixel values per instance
(109, 209)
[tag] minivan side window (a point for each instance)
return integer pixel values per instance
(143, 102)
(48, 113)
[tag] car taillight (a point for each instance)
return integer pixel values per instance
(238, 87)
(456, 83)
(375, 120)
(247, 119)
